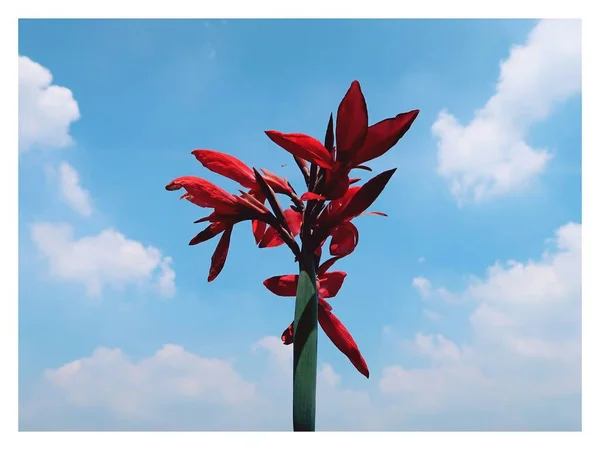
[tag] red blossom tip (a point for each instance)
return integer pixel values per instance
(173, 186)
(352, 122)
(302, 146)
(311, 196)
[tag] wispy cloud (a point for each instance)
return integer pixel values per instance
(489, 156)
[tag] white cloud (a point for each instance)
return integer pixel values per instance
(517, 368)
(175, 389)
(106, 259)
(46, 111)
(525, 349)
(421, 259)
(422, 284)
(72, 192)
(489, 156)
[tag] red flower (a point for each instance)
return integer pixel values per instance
(356, 142)
(234, 169)
(228, 210)
(328, 284)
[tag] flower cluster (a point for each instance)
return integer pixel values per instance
(325, 211)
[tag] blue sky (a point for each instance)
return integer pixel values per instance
(465, 301)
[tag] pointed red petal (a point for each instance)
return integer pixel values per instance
(352, 123)
(204, 193)
(294, 220)
(220, 255)
(354, 180)
(258, 230)
(208, 233)
(335, 207)
(284, 285)
(342, 339)
(226, 165)
(277, 183)
(311, 196)
(270, 239)
(302, 146)
(288, 335)
(330, 283)
(366, 195)
(344, 239)
(384, 135)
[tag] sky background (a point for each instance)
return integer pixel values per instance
(465, 301)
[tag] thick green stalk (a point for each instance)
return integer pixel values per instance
(305, 347)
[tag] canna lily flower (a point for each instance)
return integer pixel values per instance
(355, 141)
(326, 167)
(328, 285)
(228, 210)
(231, 167)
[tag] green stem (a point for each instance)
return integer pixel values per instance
(305, 347)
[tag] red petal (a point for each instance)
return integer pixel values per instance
(226, 165)
(220, 255)
(354, 180)
(311, 196)
(330, 283)
(342, 339)
(258, 230)
(326, 306)
(335, 207)
(208, 233)
(270, 239)
(278, 184)
(338, 182)
(344, 239)
(284, 285)
(288, 335)
(352, 123)
(302, 146)
(323, 268)
(205, 193)
(366, 195)
(294, 220)
(384, 135)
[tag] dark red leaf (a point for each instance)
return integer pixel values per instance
(342, 339)
(352, 123)
(208, 233)
(366, 195)
(329, 135)
(220, 255)
(344, 239)
(384, 135)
